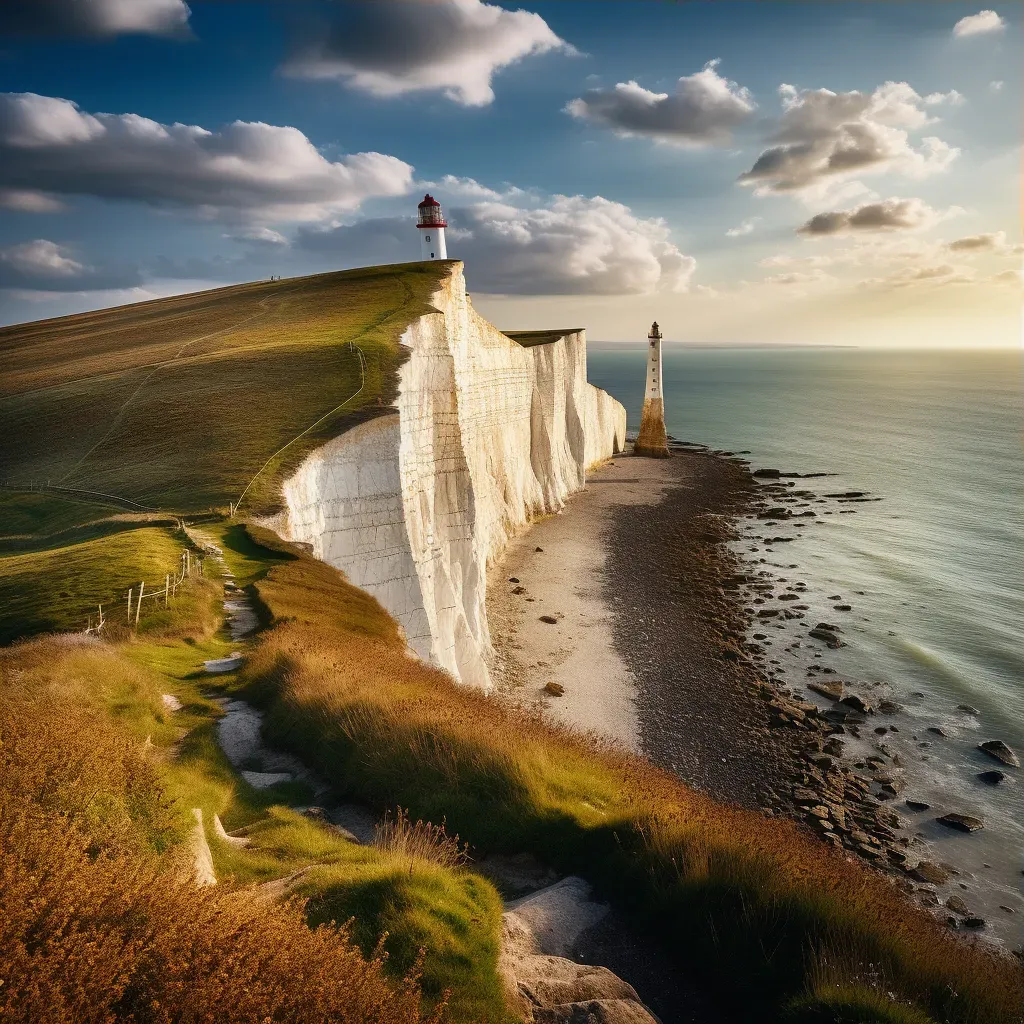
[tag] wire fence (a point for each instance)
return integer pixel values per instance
(189, 565)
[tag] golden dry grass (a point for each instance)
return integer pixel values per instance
(739, 897)
(96, 927)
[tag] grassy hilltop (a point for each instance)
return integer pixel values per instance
(177, 403)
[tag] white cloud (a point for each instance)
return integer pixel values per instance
(49, 266)
(785, 260)
(1010, 277)
(263, 235)
(825, 137)
(392, 47)
(42, 258)
(95, 17)
(979, 24)
(995, 86)
(559, 245)
(887, 215)
(987, 242)
(247, 170)
(745, 227)
(798, 277)
(933, 275)
(702, 110)
(26, 200)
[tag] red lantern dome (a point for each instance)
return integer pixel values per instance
(430, 215)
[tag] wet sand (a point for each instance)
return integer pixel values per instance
(557, 569)
(648, 643)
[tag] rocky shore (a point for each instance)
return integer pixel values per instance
(695, 625)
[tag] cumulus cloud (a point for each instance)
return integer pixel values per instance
(987, 242)
(393, 47)
(97, 18)
(49, 266)
(565, 245)
(745, 227)
(887, 215)
(995, 86)
(823, 137)
(246, 170)
(979, 24)
(702, 110)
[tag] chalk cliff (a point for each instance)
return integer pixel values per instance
(488, 432)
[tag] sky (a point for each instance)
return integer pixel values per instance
(745, 173)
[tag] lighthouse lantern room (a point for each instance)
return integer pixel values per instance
(431, 224)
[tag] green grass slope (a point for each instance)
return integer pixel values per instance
(176, 404)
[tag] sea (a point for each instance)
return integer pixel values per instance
(934, 571)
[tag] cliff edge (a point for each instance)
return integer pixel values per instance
(488, 433)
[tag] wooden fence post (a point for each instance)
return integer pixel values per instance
(130, 592)
(138, 607)
(167, 587)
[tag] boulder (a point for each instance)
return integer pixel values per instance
(827, 637)
(599, 1011)
(932, 874)
(858, 704)
(554, 689)
(993, 777)
(1001, 752)
(961, 822)
(549, 619)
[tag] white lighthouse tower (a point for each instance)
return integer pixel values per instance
(431, 224)
(653, 438)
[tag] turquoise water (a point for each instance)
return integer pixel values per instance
(940, 561)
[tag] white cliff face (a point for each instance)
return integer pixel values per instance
(413, 506)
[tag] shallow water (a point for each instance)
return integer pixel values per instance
(940, 560)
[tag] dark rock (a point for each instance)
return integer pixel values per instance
(843, 607)
(827, 688)
(513, 579)
(889, 707)
(858, 704)
(827, 637)
(767, 474)
(1001, 752)
(974, 922)
(549, 619)
(961, 822)
(519, 590)
(554, 689)
(538, 549)
(938, 732)
(926, 871)
(957, 905)
(969, 708)
(917, 805)
(993, 777)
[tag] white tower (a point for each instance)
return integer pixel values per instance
(431, 224)
(653, 438)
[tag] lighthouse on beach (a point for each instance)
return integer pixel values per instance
(653, 439)
(431, 225)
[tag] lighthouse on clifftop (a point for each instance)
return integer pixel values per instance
(431, 224)
(652, 439)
